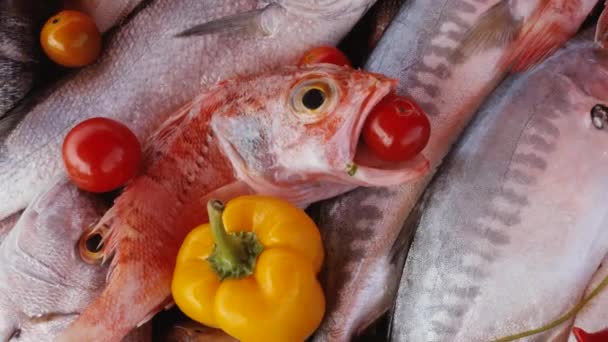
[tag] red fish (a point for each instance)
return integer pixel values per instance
(293, 133)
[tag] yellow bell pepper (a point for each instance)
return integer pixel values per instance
(252, 271)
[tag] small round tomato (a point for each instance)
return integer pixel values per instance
(71, 39)
(325, 54)
(101, 155)
(396, 129)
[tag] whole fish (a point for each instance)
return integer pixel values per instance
(47, 274)
(448, 56)
(514, 226)
(594, 315)
(145, 73)
(20, 53)
(256, 134)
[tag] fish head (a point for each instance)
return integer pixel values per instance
(304, 138)
(47, 274)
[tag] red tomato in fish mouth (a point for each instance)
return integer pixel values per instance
(396, 129)
(325, 54)
(101, 155)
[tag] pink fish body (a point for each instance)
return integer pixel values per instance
(256, 134)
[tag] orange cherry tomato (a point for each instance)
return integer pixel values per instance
(71, 39)
(325, 54)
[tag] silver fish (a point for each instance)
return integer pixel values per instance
(145, 73)
(514, 226)
(44, 280)
(594, 315)
(19, 49)
(448, 56)
(46, 275)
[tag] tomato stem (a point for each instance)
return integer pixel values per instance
(234, 254)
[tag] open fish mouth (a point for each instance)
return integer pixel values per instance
(365, 168)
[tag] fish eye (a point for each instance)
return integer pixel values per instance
(91, 246)
(313, 99)
(599, 116)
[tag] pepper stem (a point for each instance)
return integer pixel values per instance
(234, 254)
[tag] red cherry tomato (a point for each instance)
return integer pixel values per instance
(396, 129)
(101, 155)
(325, 54)
(583, 336)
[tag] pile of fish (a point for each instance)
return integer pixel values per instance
(503, 236)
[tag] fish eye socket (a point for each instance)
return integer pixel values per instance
(313, 98)
(91, 246)
(599, 116)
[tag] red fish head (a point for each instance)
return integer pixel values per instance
(297, 131)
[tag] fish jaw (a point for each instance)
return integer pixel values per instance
(601, 34)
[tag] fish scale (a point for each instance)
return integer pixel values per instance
(519, 251)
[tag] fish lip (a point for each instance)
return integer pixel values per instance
(383, 173)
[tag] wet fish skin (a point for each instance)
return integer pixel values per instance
(362, 230)
(42, 273)
(245, 135)
(19, 52)
(594, 316)
(106, 14)
(514, 228)
(44, 282)
(145, 73)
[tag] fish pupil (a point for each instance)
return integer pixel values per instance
(93, 243)
(313, 98)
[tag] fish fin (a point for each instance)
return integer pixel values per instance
(496, 27)
(601, 34)
(248, 22)
(534, 46)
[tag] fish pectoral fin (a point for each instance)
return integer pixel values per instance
(249, 22)
(601, 34)
(534, 47)
(495, 28)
